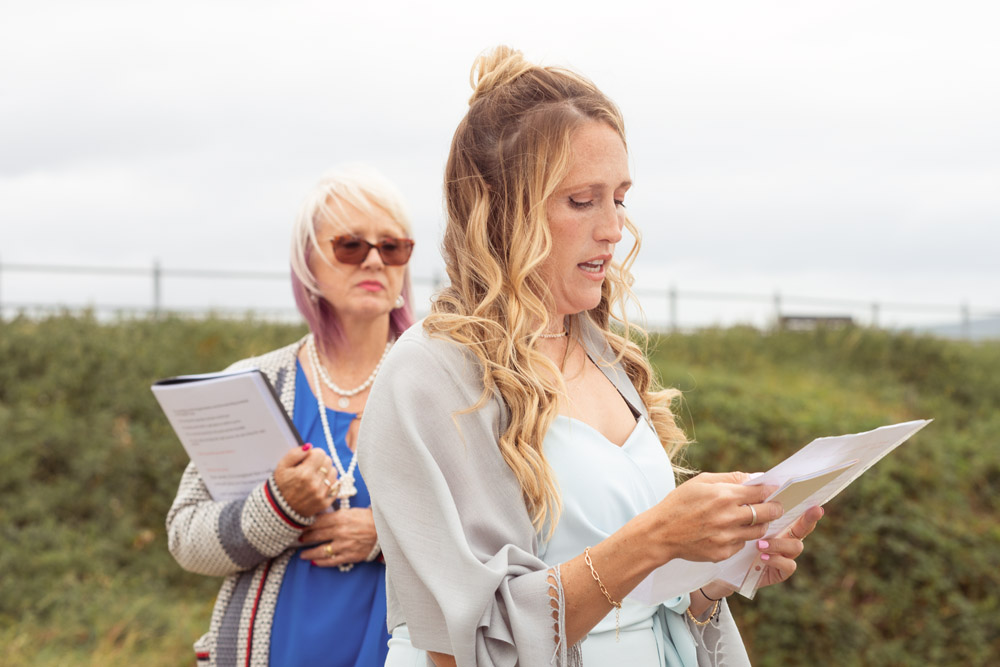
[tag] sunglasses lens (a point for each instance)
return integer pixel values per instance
(350, 249)
(395, 252)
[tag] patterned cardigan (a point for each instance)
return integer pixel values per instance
(248, 541)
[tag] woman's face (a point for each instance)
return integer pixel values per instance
(358, 292)
(586, 215)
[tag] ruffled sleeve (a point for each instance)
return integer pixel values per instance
(459, 546)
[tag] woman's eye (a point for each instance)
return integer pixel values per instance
(620, 202)
(580, 204)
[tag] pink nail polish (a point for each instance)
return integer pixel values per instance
(306, 447)
(765, 557)
(762, 544)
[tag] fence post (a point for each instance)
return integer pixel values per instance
(875, 315)
(157, 278)
(672, 300)
(966, 322)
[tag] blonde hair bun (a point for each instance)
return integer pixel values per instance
(495, 68)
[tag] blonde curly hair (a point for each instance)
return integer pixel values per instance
(507, 157)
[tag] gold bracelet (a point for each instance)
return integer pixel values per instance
(616, 605)
(701, 624)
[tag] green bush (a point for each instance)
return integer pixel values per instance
(903, 570)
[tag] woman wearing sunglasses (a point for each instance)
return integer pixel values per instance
(305, 582)
(539, 486)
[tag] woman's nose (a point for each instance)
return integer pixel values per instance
(373, 259)
(612, 221)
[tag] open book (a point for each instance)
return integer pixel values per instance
(810, 477)
(232, 426)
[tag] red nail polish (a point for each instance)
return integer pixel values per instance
(306, 447)
(312, 562)
(302, 538)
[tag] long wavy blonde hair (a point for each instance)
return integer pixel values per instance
(507, 157)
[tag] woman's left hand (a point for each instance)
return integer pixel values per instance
(341, 537)
(780, 553)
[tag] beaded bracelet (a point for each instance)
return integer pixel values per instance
(712, 616)
(616, 605)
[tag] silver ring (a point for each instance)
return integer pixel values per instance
(753, 518)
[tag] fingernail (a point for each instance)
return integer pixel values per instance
(765, 557)
(302, 538)
(306, 447)
(762, 544)
(312, 562)
(822, 511)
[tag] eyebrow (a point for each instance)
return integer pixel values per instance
(570, 188)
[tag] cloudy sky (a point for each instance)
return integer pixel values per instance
(844, 150)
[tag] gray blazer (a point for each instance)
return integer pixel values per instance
(460, 550)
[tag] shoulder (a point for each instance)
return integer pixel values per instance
(432, 363)
(271, 363)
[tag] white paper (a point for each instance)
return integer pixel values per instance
(232, 427)
(679, 576)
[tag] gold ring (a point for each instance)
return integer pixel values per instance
(333, 489)
(326, 481)
(792, 533)
(328, 550)
(753, 517)
(323, 471)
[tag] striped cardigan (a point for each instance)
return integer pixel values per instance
(248, 541)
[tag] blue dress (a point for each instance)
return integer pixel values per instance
(324, 616)
(603, 486)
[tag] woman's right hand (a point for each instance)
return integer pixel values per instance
(708, 517)
(305, 477)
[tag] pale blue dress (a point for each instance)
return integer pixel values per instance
(603, 486)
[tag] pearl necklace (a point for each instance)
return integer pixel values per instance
(345, 394)
(346, 487)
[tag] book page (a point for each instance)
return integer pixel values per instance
(232, 427)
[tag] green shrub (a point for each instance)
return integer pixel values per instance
(903, 570)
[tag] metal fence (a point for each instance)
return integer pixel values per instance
(670, 308)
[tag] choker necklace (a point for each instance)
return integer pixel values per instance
(562, 333)
(345, 394)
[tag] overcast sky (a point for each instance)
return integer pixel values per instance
(847, 149)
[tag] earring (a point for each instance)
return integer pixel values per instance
(400, 302)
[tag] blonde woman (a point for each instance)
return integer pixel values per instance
(305, 585)
(518, 451)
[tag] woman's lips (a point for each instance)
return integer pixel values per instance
(594, 267)
(371, 286)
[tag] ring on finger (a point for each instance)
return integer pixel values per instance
(326, 481)
(753, 515)
(323, 471)
(328, 550)
(334, 488)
